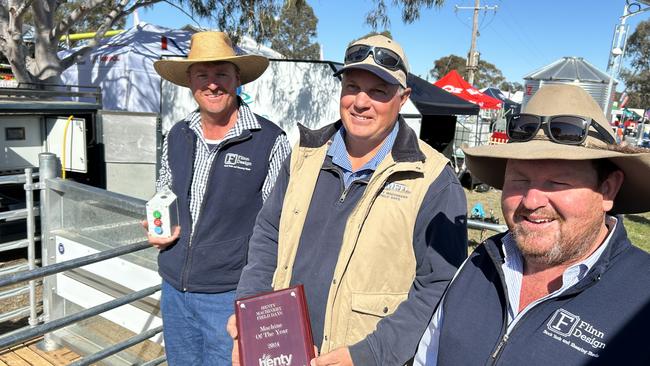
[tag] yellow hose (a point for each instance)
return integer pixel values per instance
(65, 135)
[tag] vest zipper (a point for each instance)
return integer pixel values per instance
(577, 288)
(504, 327)
(207, 185)
(344, 194)
(495, 354)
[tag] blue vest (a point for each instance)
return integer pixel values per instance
(602, 320)
(211, 259)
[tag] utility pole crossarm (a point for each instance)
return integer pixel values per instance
(472, 58)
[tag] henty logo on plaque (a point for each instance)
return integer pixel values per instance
(267, 360)
(274, 329)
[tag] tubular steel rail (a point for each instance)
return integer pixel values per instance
(50, 326)
(29, 213)
(31, 273)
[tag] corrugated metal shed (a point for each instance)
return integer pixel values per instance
(569, 69)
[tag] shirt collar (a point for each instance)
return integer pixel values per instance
(246, 120)
(339, 154)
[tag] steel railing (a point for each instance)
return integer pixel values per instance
(30, 272)
(29, 213)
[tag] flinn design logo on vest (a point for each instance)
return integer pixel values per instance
(237, 161)
(576, 333)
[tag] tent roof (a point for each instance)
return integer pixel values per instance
(455, 84)
(498, 94)
(508, 103)
(431, 100)
(569, 69)
(155, 42)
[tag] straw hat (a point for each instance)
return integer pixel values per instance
(390, 76)
(488, 162)
(207, 47)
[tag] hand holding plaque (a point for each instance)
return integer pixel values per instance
(274, 329)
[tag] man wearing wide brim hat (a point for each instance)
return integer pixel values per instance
(564, 285)
(221, 161)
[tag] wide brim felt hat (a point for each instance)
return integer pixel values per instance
(488, 162)
(211, 47)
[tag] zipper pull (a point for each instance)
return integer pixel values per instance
(500, 346)
(344, 194)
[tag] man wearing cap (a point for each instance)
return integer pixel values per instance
(221, 161)
(564, 285)
(368, 218)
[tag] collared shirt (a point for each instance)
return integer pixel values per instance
(205, 153)
(513, 268)
(339, 154)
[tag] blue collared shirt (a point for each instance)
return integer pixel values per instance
(339, 154)
(513, 268)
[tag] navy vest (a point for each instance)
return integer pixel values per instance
(602, 320)
(211, 259)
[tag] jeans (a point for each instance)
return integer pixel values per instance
(194, 327)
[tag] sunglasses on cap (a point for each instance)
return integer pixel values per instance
(562, 129)
(382, 56)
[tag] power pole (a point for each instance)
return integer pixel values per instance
(473, 56)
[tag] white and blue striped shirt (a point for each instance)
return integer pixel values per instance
(513, 268)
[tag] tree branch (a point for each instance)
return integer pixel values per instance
(66, 23)
(111, 18)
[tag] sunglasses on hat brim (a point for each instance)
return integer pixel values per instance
(562, 129)
(382, 56)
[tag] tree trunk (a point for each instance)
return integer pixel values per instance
(48, 65)
(14, 47)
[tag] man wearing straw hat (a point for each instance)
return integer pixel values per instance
(367, 217)
(221, 161)
(564, 285)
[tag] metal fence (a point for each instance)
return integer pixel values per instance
(29, 212)
(99, 274)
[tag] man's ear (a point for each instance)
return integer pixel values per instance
(609, 188)
(405, 96)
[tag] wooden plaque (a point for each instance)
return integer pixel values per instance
(274, 329)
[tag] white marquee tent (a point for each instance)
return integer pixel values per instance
(122, 65)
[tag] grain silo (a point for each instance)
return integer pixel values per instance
(570, 70)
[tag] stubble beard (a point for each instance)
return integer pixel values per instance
(568, 245)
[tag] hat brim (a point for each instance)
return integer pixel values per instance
(488, 164)
(375, 69)
(250, 67)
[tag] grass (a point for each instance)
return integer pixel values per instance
(637, 225)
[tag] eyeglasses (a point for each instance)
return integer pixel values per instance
(382, 56)
(562, 129)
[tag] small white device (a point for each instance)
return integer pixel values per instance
(162, 214)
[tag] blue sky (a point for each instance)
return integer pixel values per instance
(520, 37)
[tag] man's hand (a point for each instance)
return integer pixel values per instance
(161, 243)
(338, 357)
(231, 328)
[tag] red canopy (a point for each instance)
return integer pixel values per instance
(455, 84)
